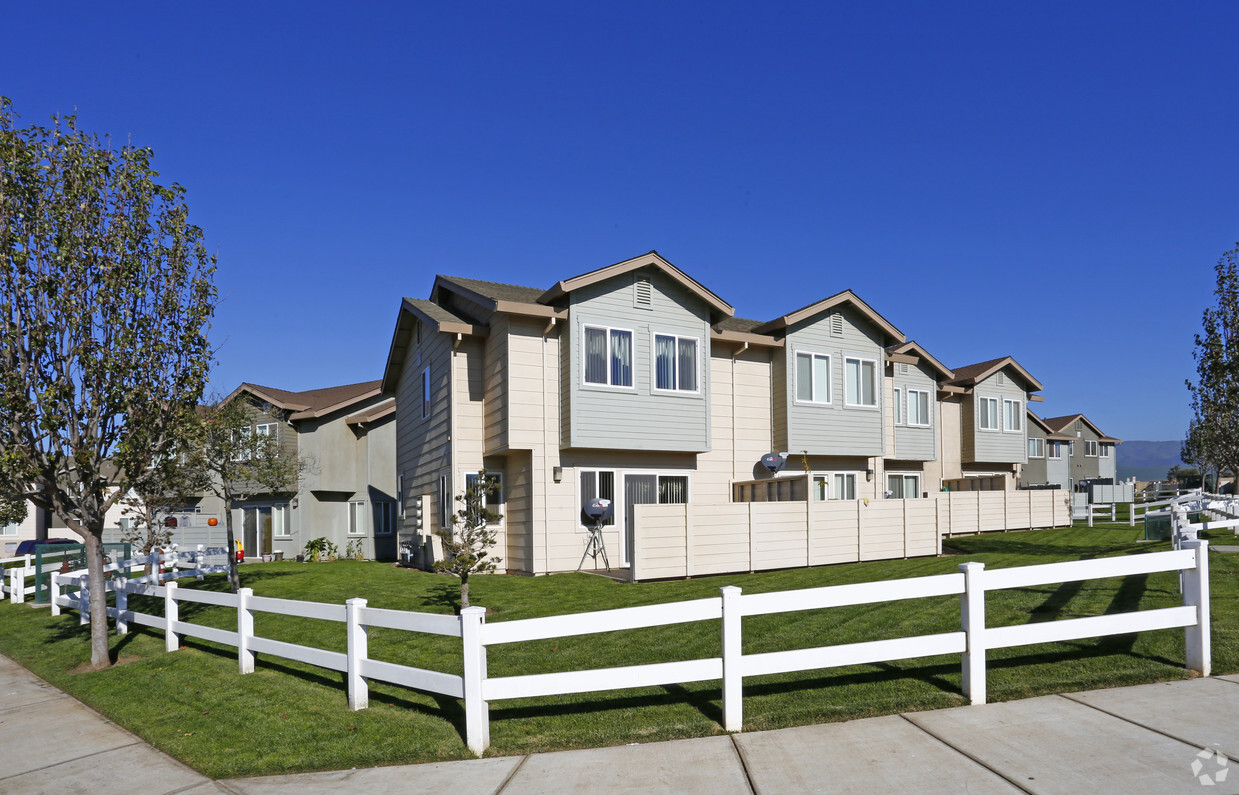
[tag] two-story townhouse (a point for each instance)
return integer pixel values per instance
(344, 440)
(1047, 465)
(1078, 453)
(917, 447)
(987, 403)
(637, 384)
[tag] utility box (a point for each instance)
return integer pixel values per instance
(1157, 527)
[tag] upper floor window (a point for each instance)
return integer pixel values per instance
(1071, 449)
(1036, 447)
(675, 363)
(242, 449)
(812, 377)
(898, 395)
(426, 393)
(1011, 413)
(1090, 448)
(861, 377)
(608, 356)
(987, 413)
(918, 407)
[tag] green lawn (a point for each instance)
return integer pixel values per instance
(291, 717)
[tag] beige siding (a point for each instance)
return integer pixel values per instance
(497, 391)
(423, 448)
(951, 439)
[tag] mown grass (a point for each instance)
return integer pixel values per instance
(291, 717)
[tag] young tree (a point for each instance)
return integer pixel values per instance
(467, 543)
(1215, 395)
(237, 463)
(106, 296)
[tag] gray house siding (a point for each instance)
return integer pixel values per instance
(914, 442)
(423, 449)
(638, 417)
(1057, 470)
(998, 445)
(1034, 472)
(834, 428)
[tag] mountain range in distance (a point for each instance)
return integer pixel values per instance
(1148, 460)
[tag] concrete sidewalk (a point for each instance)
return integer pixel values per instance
(1155, 738)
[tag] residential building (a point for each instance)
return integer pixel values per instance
(1071, 451)
(638, 384)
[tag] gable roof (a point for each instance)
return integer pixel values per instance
(380, 410)
(721, 308)
(495, 296)
(310, 403)
(1037, 420)
(916, 349)
(971, 374)
(1060, 425)
(838, 299)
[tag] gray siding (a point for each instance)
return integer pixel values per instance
(996, 446)
(914, 442)
(638, 418)
(834, 428)
(1034, 472)
(1057, 469)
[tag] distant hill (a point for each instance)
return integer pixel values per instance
(1147, 460)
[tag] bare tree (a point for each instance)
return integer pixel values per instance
(237, 462)
(106, 296)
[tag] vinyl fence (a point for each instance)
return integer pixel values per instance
(971, 641)
(695, 539)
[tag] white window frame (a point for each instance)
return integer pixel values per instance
(284, 527)
(616, 492)
(1071, 449)
(816, 399)
(914, 421)
(861, 361)
(266, 429)
(8, 529)
(241, 443)
(472, 477)
(898, 401)
(356, 518)
(904, 485)
(654, 335)
(822, 478)
(985, 414)
(1036, 447)
(835, 492)
(384, 511)
(688, 486)
(1055, 452)
(632, 361)
(1087, 444)
(1104, 449)
(426, 392)
(1015, 415)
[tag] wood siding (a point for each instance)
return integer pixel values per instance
(912, 442)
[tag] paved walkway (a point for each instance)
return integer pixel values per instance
(1156, 738)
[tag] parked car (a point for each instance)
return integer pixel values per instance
(27, 547)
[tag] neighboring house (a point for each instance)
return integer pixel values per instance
(345, 438)
(1074, 451)
(638, 384)
(988, 400)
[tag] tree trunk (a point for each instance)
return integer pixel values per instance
(464, 590)
(234, 577)
(100, 657)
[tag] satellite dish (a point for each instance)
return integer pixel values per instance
(599, 509)
(773, 462)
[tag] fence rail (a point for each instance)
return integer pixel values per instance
(477, 689)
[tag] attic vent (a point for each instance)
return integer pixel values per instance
(903, 368)
(836, 325)
(1000, 379)
(643, 294)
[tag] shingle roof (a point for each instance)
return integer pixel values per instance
(433, 311)
(738, 324)
(312, 402)
(973, 370)
(497, 291)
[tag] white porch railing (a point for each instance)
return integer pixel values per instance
(971, 641)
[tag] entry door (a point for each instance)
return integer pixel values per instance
(638, 490)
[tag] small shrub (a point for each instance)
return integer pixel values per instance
(320, 549)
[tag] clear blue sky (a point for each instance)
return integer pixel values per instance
(1050, 180)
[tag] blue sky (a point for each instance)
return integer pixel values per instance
(1052, 181)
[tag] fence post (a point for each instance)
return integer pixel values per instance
(1089, 510)
(972, 619)
(358, 650)
(1196, 593)
(245, 630)
(171, 615)
(17, 585)
(1131, 514)
(122, 605)
(54, 590)
(83, 601)
(733, 679)
(477, 714)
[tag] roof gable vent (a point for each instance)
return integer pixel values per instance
(903, 368)
(836, 325)
(643, 293)
(1001, 380)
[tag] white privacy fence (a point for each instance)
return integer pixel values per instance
(971, 641)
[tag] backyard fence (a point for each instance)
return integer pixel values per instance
(971, 641)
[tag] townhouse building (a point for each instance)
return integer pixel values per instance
(638, 384)
(1068, 452)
